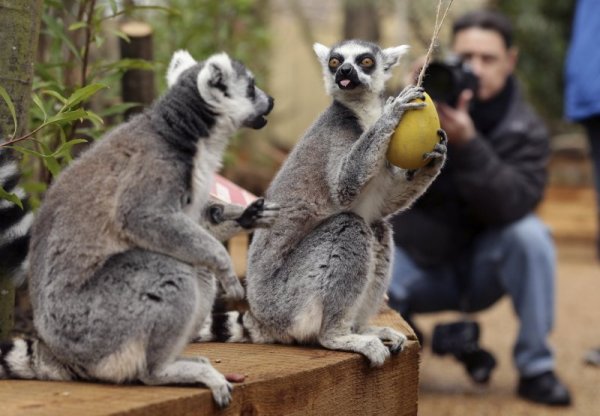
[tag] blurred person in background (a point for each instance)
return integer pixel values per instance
(473, 237)
(582, 94)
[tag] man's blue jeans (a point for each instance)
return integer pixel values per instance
(517, 260)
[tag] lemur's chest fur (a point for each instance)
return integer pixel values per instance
(206, 162)
(370, 202)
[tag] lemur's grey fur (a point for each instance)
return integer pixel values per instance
(320, 272)
(121, 272)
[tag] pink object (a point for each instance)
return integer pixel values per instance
(226, 191)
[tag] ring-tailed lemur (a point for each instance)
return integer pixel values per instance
(320, 272)
(121, 274)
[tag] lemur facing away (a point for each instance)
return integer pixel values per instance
(121, 274)
(320, 272)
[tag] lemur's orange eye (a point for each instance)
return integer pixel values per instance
(334, 63)
(367, 62)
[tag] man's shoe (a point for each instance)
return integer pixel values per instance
(545, 388)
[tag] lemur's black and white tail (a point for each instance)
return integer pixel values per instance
(15, 222)
(232, 326)
(29, 358)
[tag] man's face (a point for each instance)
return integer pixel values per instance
(488, 56)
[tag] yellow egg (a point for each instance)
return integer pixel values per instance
(415, 135)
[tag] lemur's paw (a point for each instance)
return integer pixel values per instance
(259, 214)
(410, 174)
(411, 93)
(221, 392)
(439, 151)
(395, 341)
(376, 352)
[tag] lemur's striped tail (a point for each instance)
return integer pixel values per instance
(15, 222)
(232, 326)
(29, 358)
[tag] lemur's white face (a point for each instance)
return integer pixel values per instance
(357, 65)
(228, 88)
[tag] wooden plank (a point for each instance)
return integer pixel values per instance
(280, 380)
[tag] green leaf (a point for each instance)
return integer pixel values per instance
(83, 94)
(77, 25)
(38, 102)
(50, 161)
(64, 150)
(78, 114)
(55, 95)
(113, 6)
(94, 118)
(10, 197)
(11, 107)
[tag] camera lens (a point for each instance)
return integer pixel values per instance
(439, 82)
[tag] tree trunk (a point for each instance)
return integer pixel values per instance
(19, 31)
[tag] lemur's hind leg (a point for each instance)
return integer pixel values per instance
(340, 250)
(163, 298)
(378, 282)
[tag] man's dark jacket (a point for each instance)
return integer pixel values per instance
(490, 181)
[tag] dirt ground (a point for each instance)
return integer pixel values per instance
(445, 389)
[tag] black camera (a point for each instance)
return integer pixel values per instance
(455, 338)
(445, 80)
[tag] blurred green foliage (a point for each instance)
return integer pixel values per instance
(76, 90)
(542, 31)
(203, 27)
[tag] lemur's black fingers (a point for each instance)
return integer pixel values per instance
(410, 174)
(269, 206)
(259, 203)
(443, 136)
(215, 213)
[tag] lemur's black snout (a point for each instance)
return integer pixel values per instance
(271, 104)
(346, 77)
(346, 69)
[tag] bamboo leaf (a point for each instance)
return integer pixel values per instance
(64, 150)
(77, 25)
(55, 95)
(38, 102)
(50, 161)
(66, 116)
(11, 107)
(10, 197)
(83, 94)
(94, 118)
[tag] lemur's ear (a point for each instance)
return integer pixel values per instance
(216, 71)
(180, 61)
(391, 56)
(322, 52)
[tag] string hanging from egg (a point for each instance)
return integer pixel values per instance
(436, 31)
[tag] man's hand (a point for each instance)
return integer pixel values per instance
(457, 122)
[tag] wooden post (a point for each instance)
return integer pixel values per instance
(137, 84)
(19, 31)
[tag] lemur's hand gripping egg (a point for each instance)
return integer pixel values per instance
(415, 135)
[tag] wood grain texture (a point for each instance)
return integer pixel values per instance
(280, 380)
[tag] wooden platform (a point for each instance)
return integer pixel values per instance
(280, 380)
